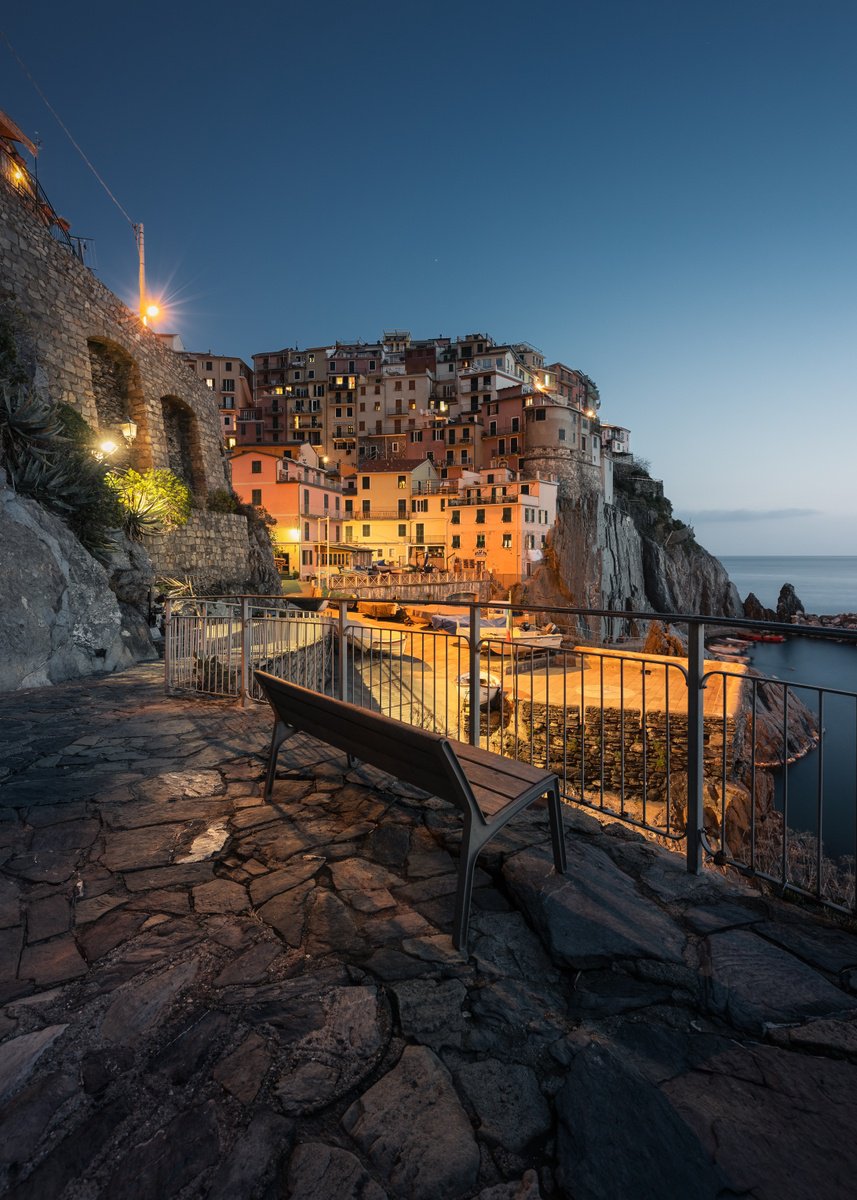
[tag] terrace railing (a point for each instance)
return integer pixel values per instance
(727, 765)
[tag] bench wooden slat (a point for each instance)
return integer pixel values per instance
(488, 788)
(508, 766)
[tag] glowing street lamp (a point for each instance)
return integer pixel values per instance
(148, 309)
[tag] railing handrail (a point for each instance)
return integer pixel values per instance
(715, 622)
(213, 644)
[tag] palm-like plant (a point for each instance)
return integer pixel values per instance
(143, 515)
(30, 425)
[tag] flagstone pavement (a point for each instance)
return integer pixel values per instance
(203, 995)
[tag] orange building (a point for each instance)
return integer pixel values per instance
(304, 500)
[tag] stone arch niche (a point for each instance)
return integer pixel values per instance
(184, 453)
(118, 396)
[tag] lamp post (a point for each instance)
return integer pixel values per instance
(148, 311)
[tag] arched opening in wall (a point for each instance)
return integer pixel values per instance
(119, 400)
(184, 454)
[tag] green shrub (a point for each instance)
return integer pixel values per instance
(222, 500)
(152, 502)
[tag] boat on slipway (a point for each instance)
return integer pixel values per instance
(521, 638)
(489, 686)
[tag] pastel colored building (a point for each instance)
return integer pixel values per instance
(304, 500)
(398, 509)
(230, 381)
(502, 523)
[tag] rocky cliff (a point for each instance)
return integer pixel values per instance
(59, 618)
(628, 555)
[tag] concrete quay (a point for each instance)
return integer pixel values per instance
(202, 995)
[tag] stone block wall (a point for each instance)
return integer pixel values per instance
(213, 550)
(618, 754)
(94, 354)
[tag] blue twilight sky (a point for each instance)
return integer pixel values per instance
(660, 193)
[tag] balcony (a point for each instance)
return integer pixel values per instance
(251, 414)
(502, 429)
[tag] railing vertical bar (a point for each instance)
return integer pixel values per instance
(695, 743)
(342, 605)
(784, 865)
(753, 775)
(246, 650)
(622, 736)
(668, 749)
(723, 845)
(820, 796)
(601, 672)
(474, 731)
(645, 731)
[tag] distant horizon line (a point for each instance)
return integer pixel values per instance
(724, 554)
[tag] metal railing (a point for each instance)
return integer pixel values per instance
(735, 767)
(32, 196)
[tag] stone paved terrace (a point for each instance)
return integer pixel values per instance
(206, 996)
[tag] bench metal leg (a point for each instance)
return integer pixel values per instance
(281, 733)
(463, 895)
(557, 837)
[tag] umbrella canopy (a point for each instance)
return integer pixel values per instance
(9, 130)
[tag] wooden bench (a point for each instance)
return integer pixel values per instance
(487, 788)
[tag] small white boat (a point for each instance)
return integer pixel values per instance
(498, 641)
(372, 640)
(489, 686)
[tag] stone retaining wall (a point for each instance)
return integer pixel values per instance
(617, 757)
(212, 550)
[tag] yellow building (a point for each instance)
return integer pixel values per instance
(399, 509)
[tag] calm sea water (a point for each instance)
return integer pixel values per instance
(820, 801)
(823, 584)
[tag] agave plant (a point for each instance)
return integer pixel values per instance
(29, 424)
(143, 515)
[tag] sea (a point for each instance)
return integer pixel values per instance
(823, 584)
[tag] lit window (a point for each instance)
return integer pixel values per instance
(507, 541)
(209, 383)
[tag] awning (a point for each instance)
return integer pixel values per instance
(8, 129)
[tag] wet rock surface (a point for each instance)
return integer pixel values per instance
(202, 995)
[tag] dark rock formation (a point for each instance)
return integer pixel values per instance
(754, 609)
(58, 617)
(788, 603)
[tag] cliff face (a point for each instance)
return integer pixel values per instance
(629, 555)
(60, 620)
